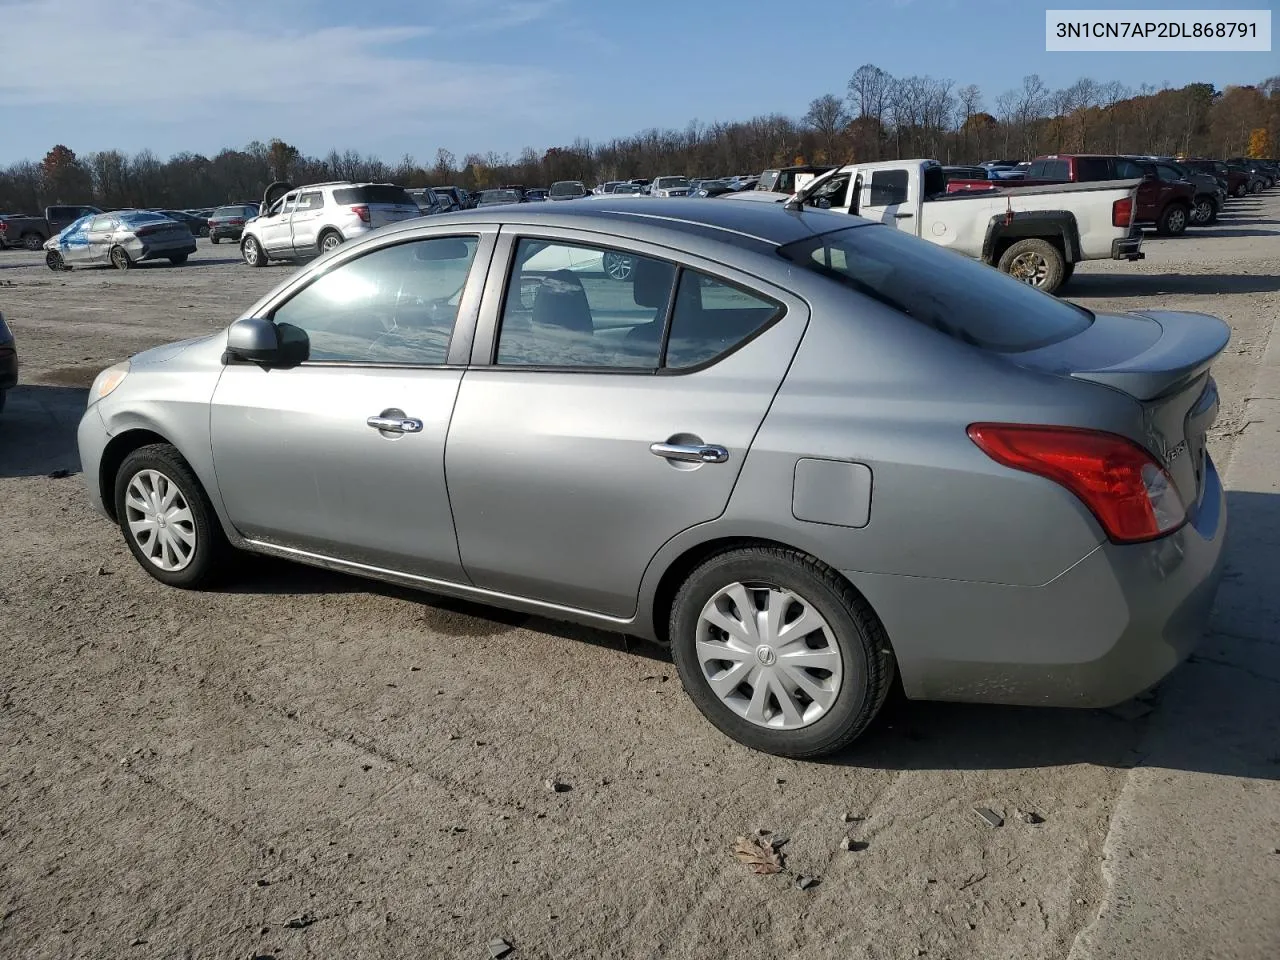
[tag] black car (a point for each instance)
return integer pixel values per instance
(227, 222)
(199, 226)
(8, 361)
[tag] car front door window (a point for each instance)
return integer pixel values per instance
(394, 305)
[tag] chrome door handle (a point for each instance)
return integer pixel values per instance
(690, 452)
(903, 216)
(396, 424)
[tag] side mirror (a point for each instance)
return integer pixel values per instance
(258, 340)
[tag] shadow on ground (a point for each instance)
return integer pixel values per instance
(1154, 285)
(37, 437)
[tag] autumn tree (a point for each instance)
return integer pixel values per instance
(1259, 143)
(64, 177)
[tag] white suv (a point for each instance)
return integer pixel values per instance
(314, 219)
(669, 187)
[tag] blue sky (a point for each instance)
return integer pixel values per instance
(393, 76)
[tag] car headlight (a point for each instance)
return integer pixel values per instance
(107, 381)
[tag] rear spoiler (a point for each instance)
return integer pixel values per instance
(1188, 344)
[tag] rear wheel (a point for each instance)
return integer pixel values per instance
(1241, 190)
(120, 258)
(1173, 220)
(329, 240)
(1037, 263)
(166, 518)
(252, 252)
(32, 241)
(178, 259)
(780, 652)
(214, 238)
(204, 231)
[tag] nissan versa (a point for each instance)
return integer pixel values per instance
(809, 452)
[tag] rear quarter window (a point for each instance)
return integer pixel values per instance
(944, 290)
(374, 193)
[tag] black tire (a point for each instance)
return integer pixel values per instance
(204, 231)
(32, 241)
(868, 664)
(1240, 190)
(120, 258)
(1037, 263)
(253, 253)
(1204, 212)
(178, 259)
(1173, 220)
(213, 238)
(211, 545)
(53, 260)
(328, 240)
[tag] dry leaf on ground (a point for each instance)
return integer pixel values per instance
(759, 857)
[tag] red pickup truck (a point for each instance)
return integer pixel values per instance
(1166, 203)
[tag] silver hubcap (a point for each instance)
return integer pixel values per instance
(160, 520)
(1030, 268)
(769, 656)
(1176, 220)
(251, 252)
(330, 243)
(1203, 212)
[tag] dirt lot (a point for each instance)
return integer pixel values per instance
(307, 765)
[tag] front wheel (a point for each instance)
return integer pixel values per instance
(252, 252)
(780, 652)
(214, 238)
(1173, 220)
(53, 260)
(166, 518)
(120, 258)
(1037, 263)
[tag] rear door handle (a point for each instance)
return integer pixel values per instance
(903, 216)
(396, 424)
(690, 452)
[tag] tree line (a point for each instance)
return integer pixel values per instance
(878, 117)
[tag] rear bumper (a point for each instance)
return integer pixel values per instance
(1127, 248)
(225, 232)
(140, 251)
(1110, 627)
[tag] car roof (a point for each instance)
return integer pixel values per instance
(750, 225)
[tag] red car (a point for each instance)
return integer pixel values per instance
(1165, 203)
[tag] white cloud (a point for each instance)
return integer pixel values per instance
(214, 62)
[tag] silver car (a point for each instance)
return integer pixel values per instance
(808, 452)
(315, 219)
(119, 239)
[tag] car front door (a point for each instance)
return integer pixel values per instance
(101, 234)
(342, 456)
(602, 417)
(275, 230)
(887, 196)
(306, 221)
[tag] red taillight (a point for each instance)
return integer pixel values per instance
(362, 212)
(237, 222)
(1121, 483)
(1122, 212)
(145, 231)
(4, 227)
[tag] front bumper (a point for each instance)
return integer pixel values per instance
(1128, 248)
(8, 368)
(92, 438)
(1108, 628)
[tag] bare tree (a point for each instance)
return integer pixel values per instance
(828, 118)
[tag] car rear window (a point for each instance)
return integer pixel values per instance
(141, 216)
(373, 193)
(233, 212)
(940, 288)
(1091, 169)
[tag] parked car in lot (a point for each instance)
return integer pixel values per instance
(1164, 199)
(227, 222)
(535, 195)
(1230, 180)
(1211, 193)
(456, 197)
(317, 218)
(120, 239)
(1036, 234)
(790, 179)
(8, 361)
(493, 198)
(628, 190)
(712, 188)
(199, 226)
(669, 187)
(865, 457)
(568, 190)
(32, 232)
(1260, 177)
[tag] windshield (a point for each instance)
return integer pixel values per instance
(567, 188)
(668, 183)
(940, 288)
(498, 196)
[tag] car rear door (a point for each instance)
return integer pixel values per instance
(342, 457)
(575, 452)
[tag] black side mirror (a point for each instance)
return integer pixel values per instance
(258, 340)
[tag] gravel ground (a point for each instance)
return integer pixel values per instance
(310, 765)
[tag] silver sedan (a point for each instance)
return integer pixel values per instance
(808, 452)
(119, 239)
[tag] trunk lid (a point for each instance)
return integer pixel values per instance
(1161, 359)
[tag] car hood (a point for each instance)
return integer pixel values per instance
(167, 351)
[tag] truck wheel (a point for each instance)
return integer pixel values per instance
(32, 241)
(1037, 263)
(1172, 221)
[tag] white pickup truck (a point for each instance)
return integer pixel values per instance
(1036, 234)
